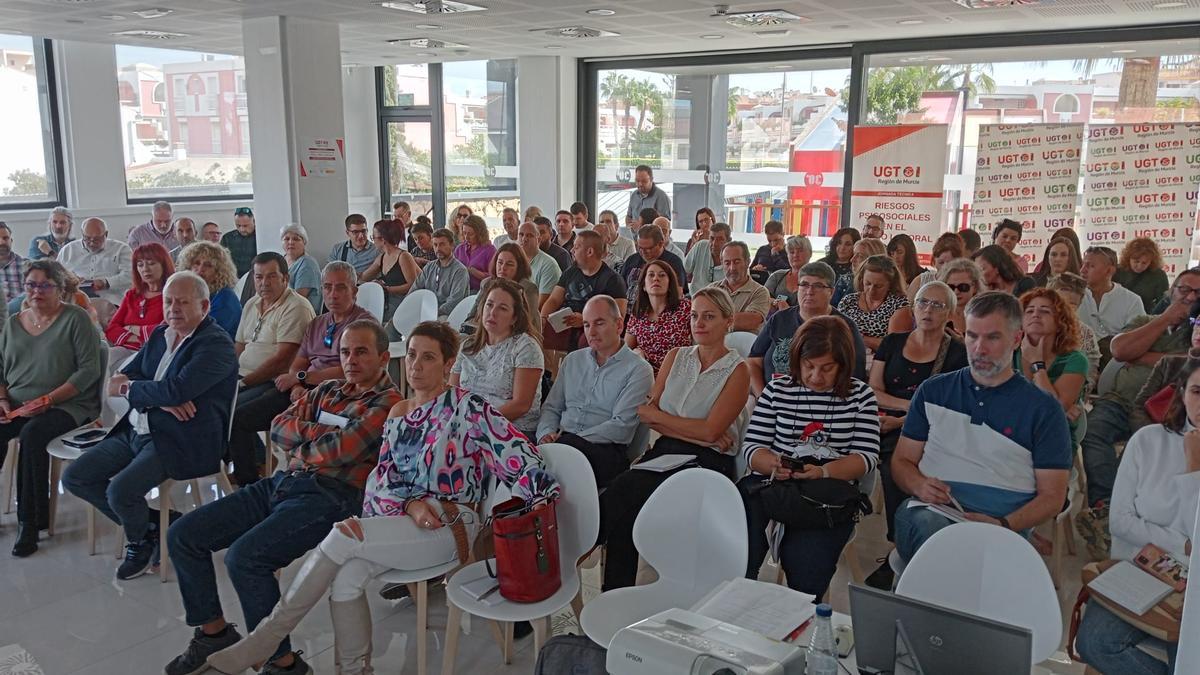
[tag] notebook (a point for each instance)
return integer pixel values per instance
(558, 320)
(1130, 587)
(664, 463)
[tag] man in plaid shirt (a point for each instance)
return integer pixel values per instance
(331, 436)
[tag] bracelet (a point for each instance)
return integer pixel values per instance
(824, 472)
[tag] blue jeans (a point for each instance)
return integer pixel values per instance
(265, 526)
(914, 527)
(1109, 645)
(1108, 422)
(809, 557)
(114, 476)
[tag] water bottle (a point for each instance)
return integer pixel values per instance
(822, 650)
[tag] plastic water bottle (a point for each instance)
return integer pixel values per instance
(822, 650)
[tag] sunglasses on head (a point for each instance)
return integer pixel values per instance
(243, 211)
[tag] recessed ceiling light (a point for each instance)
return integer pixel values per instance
(1124, 51)
(113, 17)
(601, 12)
(1168, 5)
(432, 6)
(73, 20)
(427, 26)
(712, 36)
(151, 34)
(910, 22)
(840, 26)
(555, 47)
(424, 54)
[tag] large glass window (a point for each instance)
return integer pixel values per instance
(184, 124)
(753, 142)
(406, 85)
(27, 166)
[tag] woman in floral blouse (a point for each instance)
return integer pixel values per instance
(661, 316)
(441, 448)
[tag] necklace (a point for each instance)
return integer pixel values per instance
(40, 324)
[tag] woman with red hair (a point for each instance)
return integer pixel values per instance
(1049, 354)
(142, 308)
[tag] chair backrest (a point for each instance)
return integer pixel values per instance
(240, 287)
(232, 410)
(740, 341)
(371, 298)
(113, 408)
(462, 311)
(419, 305)
(692, 531)
(639, 444)
(1108, 376)
(987, 571)
(578, 509)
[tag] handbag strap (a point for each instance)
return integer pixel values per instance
(943, 349)
(459, 530)
(1076, 617)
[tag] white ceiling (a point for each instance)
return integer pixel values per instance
(506, 28)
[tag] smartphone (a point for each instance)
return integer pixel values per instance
(92, 435)
(791, 463)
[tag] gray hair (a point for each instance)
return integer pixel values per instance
(199, 285)
(819, 269)
(60, 211)
(951, 302)
(53, 270)
(343, 267)
(798, 242)
(739, 245)
(721, 227)
(607, 300)
(162, 204)
(296, 229)
(965, 265)
(996, 302)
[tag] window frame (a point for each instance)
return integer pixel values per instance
(52, 147)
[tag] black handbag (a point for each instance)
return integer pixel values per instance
(816, 504)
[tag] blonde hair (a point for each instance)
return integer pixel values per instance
(226, 273)
(522, 314)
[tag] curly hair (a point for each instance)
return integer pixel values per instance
(223, 268)
(1141, 247)
(1067, 338)
(949, 241)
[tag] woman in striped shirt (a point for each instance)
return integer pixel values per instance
(825, 423)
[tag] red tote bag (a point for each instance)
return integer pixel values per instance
(526, 540)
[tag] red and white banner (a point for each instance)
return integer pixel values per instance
(1140, 180)
(898, 174)
(1029, 173)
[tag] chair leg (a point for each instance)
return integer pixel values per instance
(1056, 556)
(9, 473)
(541, 630)
(223, 482)
(453, 628)
(164, 516)
(1069, 534)
(850, 553)
(91, 529)
(577, 605)
(197, 500)
(56, 465)
(422, 597)
(502, 632)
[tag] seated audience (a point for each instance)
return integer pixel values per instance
(1000, 272)
(664, 224)
(963, 277)
(581, 282)
(49, 372)
(902, 251)
(971, 242)
(902, 362)
(303, 274)
(1153, 502)
(949, 246)
(241, 241)
(579, 216)
(158, 230)
(1049, 354)
(213, 264)
(104, 266)
(58, 234)
(703, 260)
(510, 263)
(357, 249)
(509, 220)
(772, 256)
(705, 219)
(1058, 257)
(814, 422)
(618, 248)
(1140, 270)
(331, 438)
(880, 305)
(406, 525)
(751, 302)
(771, 353)
(593, 405)
(546, 243)
(1107, 307)
(141, 309)
(394, 269)
(460, 216)
(998, 445)
(421, 249)
(863, 249)
(1007, 234)
(185, 232)
(543, 270)
(1112, 418)
(841, 249)
(564, 230)
(211, 232)
(502, 360)
(873, 227)
(315, 361)
(1070, 287)
(11, 280)
(782, 284)
(179, 388)
(697, 406)
(660, 319)
(446, 276)
(476, 250)
(531, 213)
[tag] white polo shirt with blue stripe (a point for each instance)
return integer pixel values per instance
(985, 442)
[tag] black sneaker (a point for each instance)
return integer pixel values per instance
(298, 667)
(138, 557)
(396, 591)
(194, 659)
(883, 576)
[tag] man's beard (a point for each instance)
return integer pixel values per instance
(985, 368)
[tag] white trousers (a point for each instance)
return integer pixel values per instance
(389, 543)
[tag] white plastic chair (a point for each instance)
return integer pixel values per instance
(1108, 376)
(240, 286)
(578, 513)
(640, 443)
(740, 342)
(987, 571)
(61, 452)
(371, 298)
(461, 312)
(419, 305)
(692, 531)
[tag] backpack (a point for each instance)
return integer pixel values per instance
(571, 655)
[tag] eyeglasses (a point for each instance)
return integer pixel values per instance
(354, 232)
(329, 335)
(44, 287)
(243, 211)
(926, 303)
(961, 288)
(93, 240)
(805, 285)
(1185, 290)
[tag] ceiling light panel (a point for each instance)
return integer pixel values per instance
(433, 7)
(766, 18)
(576, 32)
(150, 34)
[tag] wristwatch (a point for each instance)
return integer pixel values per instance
(1002, 519)
(302, 377)
(1037, 366)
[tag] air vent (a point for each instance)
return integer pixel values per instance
(150, 34)
(766, 18)
(996, 4)
(153, 12)
(432, 7)
(578, 32)
(772, 33)
(427, 43)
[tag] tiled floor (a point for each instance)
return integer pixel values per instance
(67, 611)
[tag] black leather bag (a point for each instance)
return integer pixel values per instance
(817, 504)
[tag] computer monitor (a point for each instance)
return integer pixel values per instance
(939, 640)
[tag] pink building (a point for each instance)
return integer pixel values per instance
(207, 115)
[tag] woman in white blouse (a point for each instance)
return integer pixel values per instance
(1153, 502)
(698, 405)
(502, 360)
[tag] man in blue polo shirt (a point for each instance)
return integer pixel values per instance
(983, 436)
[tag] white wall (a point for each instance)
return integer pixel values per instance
(546, 131)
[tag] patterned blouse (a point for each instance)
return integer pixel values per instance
(872, 323)
(449, 449)
(656, 338)
(489, 373)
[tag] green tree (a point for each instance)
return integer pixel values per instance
(26, 182)
(614, 88)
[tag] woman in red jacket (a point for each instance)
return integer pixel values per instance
(142, 308)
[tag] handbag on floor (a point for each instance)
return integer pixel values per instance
(1160, 621)
(525, 536)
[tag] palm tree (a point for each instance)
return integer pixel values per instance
(735, 95)
(616, 86)
(1139, 79)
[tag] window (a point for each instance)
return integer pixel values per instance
(184, 128)
(406, 85)
(28, 169)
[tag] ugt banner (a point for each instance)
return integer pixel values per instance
(1029, 173)
(1140, 180)
(898, 173)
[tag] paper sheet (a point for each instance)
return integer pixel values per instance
(559, 319)
(768, 609)
(1130, 587)
(944, 509)
(664, 463)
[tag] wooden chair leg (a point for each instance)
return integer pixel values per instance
(1069, 534)
(1056, 555)
(541, 631)
(164, 520)
(56, 465)
(422, 597)
(91, 529)
(223, 482)
(9, 473)
(453, 628)
(577, 605)
(197, 500)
